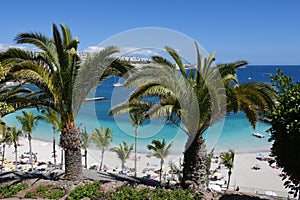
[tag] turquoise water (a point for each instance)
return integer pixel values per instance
(234, 131)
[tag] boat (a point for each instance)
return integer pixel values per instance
(257, 134)
(96, 99)
(11, 83)
(117, 84)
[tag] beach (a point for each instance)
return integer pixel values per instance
(243, 175)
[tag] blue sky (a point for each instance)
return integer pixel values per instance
(259, 31)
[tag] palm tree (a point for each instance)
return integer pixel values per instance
(227, 159)
(85, 142)
(160, 150)
(195, 100)
(28, 122)
(138, 115)
(102, 138)
(62, 81)
(52, 118)
(4, 140)
(13, 137)
(123, 152)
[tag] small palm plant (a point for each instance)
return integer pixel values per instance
(123, 152)
(85, 142)
(138, 114)
(28, 122)
(102, 138)
(52, 117)
(227, 159)
(4, 133)
(161, 151)
(13, 137)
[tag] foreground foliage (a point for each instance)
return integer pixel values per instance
(9, 191)
(96, 191)
(90, 190)
(285, 130)
(93, 191)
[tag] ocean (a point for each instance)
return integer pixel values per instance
(232, 132)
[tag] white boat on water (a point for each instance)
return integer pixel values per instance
(11, 83)
(259, 135)
(117, 84)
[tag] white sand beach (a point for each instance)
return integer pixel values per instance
(248, 179)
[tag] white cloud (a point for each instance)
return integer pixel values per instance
(93, 49)
(140, 51)
(4, 47)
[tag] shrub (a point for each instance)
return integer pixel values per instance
(56, 194)
(90, 190)
(47, 192)
(29, 194)
(128, 192)
(9, 191)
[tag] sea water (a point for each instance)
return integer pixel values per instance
(231, 132)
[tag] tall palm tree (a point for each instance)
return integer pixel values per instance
(85, 142)
(123, 152)
(4, 139)
(138, 115)
(28, 122)
(160, 150)
(52, 117)
(227, 159)
(195, 100)
(102, 138)
(13, 137)
(62, 81)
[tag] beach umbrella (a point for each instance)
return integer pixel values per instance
(220, 182)
(271, 193)
(214, 187)
(218, 175)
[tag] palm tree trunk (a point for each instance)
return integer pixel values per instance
(194, 165)
(123, 166)
(85, 158)
(70, 141)
(3, 153)
(16, 155)
(62, 158)
(135, 149)
(54, 141)
(160, 170)
(30, 151)
(102, 156)
(228, 180)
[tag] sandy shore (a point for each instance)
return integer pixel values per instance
(243, 175)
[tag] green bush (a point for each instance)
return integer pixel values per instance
(45, 192)
(90, 190)
(128, 192)
(29, 194)
(43, 188)
(56, 194)
(9, 191)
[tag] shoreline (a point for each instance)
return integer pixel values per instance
(237, 151)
